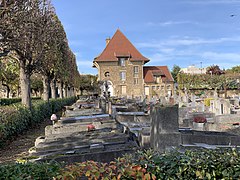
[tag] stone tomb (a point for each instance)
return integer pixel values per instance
(70, 140)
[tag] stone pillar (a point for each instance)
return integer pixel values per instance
(164, 128)
(109, 107)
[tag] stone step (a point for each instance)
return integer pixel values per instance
(104, 156)
(78, 127)
(82, 112)
(82, 138)
(93, 148)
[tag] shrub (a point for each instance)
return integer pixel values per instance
(16, 118)
(194, 164)
(29, 171)
(9, 101)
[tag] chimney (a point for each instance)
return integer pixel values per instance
(108, 40)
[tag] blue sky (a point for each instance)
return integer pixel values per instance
(168, 32)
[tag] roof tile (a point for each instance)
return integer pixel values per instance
(120, 46)
(150, 71)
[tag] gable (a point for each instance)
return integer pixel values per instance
(120, 46)
(150, 71)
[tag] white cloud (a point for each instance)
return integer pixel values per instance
(222, 57)
(170, 23)
(158, 57)
(185, 41)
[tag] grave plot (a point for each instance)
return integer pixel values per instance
(83, 134)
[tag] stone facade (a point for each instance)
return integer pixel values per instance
(111, 72)
(121, 69)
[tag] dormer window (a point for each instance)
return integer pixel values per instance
(122, 61)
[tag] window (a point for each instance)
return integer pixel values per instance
(124, 90)
(106, 74)
(123, 76)
(158, 87)
(153, 88)
(135, 71)
(135, 81)
(158, 79)
(122, 61)
(162, 87)
(169, 87)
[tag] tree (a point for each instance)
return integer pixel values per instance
(89, 83)
(234, 70)
(214, 70)
(36, 84)
(9, 74)
(24, 27)
(175, 70)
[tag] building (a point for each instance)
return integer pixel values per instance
(193, 70)
(121, 67)
(158, 81)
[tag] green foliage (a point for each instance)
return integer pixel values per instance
(195, 164)
(8, 101)
(207, 81)
(17, 118)
(235, 69)
(121, 168)
(175, 70)
(29, 171)
(88, 83)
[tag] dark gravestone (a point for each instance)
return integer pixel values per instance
(165, 128)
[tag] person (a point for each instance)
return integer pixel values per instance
(54, 118)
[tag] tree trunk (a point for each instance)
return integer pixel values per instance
(25, 86)
(46, 88)
(60, 87)
(53, 89)
(65, 90)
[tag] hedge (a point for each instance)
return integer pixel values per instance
(16, 118)
(194, 164)
(9, 101)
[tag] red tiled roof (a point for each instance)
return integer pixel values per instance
(150, 71)
(120, 46)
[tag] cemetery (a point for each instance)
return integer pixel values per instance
(103, 130)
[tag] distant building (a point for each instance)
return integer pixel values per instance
(121, 67)
(193, 70)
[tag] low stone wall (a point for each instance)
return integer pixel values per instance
(132, 117)
(230, 118)
(211, 138)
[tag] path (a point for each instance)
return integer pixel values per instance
(20, 146)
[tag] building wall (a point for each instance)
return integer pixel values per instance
(157, 90)
(194, 70)
(114, 69)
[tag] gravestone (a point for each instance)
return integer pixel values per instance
(164, 128)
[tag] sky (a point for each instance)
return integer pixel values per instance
(168, 32)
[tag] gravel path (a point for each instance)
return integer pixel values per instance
(20, 145)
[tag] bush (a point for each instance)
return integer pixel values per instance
(195, 164)
(9, 101)
(16, 118)
(29, 171)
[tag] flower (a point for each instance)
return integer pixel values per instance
(199, 119)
